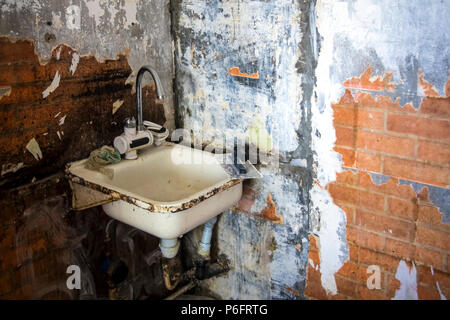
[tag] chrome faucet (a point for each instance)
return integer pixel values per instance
(159, 92)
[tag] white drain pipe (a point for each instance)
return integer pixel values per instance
(205, 244)
(169, 247)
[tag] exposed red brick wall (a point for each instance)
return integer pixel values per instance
(38, 238)
(39, 260)
(85, 98)
(387, 223)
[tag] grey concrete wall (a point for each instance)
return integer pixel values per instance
(268, 72)
(244, 69)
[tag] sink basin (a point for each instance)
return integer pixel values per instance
(168, 191)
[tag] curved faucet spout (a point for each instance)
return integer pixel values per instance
(159, 92)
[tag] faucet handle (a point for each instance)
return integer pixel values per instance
(130, 122)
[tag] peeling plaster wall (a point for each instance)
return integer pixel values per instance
(282, 69)
(67, 73)
(102, 28)
(392, 57)
(59, 59)
(244, 70)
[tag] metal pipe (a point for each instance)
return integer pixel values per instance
(205, 244)
(169, 247)
(159, 92)
(182, 290)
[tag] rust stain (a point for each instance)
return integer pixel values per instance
(428, 89)
(365, 82)
(294, 291)
(234, 71)
(153, 207)
(270, 211)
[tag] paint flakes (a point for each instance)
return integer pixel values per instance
(116, 105)
(75, 60)
(11, 168)
(270, 211)
(425, 88)
(408, 282)
(61, 121)
(4, 91)
(234, 71)
(34, 149)
(53, 85)
(58, 53)
(367, 82)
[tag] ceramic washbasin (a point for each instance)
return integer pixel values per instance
(168, 191)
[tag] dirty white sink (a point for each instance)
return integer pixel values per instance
(168, 191)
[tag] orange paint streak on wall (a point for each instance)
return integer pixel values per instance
(365, 82)
(428, 89)
(237, 73)
(270, 211)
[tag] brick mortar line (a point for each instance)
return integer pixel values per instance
(422, 224)
(386, 236)
(388, 154)
(401, 158)
(395, 177)
(390, 133)
(396, 112)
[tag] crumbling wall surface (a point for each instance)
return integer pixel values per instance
(380, 136)
(101, 28)
(66, 84)
(66, 78)
(242, 71)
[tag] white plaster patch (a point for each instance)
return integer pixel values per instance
(332, 237)
(327, 161)
(130, 11)
(102, 9)
(53, 85)
(56, 20)
(116, 105)
(34, 149)
(408, 282)
(73, 17)
(75, 60)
